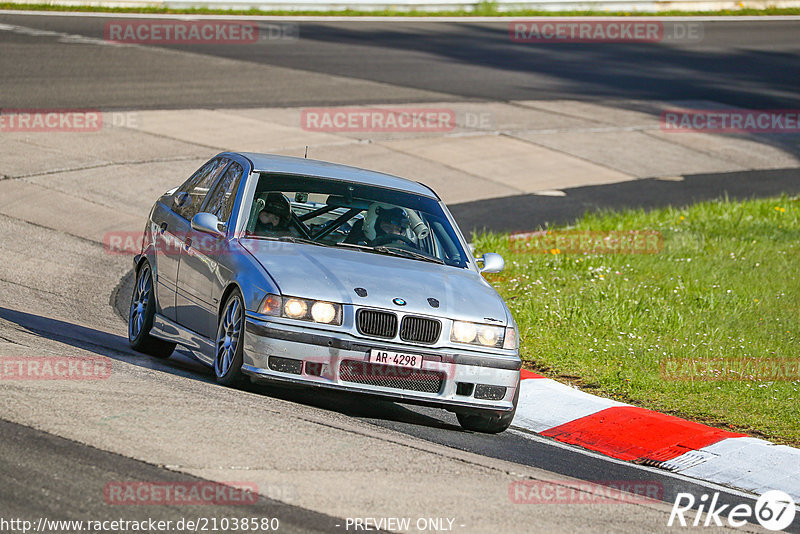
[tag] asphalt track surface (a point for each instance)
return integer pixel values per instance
(752, 64)
(747, 64)
(37, 466)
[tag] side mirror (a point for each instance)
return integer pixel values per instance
(208, 224)
(492, 263)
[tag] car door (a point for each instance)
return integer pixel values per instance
(197, 273)
(174, 227)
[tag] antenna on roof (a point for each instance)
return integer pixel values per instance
(306, 156)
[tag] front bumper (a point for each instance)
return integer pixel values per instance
(326, 359)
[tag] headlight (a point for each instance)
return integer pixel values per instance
(464, 332)
(488, 336)
(477, 334)
(323, 312)
(302, 309)
(295, 308)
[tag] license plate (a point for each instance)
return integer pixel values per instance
(398, 359)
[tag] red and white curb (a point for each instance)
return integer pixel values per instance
(626, 432)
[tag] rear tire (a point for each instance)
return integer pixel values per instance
(140, 318)
(230, 342)
(486, 421)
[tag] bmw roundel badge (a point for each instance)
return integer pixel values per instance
(399, 301)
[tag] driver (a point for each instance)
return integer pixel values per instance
(274, 217)
(390, 222)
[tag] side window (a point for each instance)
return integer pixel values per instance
(220, 200)
(189, 197)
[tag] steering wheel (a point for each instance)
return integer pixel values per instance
(388, 238)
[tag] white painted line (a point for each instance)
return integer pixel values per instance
(62, 37)
(550, 193)
(323, 18)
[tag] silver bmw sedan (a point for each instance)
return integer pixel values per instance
(273, 268)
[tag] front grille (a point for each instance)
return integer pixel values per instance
(420, 329)
(376, 323)
(486, 392)
(390, 376)
(285, 365)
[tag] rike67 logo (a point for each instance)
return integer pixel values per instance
(774, 510)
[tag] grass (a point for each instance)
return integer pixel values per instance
(725, 285)
(481, 9)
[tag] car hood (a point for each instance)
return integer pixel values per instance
(332, 274)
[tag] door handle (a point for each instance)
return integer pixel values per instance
(188, 242)
(163, 227)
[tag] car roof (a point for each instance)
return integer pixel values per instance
(335, 171)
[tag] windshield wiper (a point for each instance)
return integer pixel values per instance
(292, 239)
(355, 245)
(288, 239)
(392, 251)
(408, 254)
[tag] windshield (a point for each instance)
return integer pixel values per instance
(360, 217)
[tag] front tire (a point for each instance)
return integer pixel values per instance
(486, 421)
(140, 318)
(230, 342)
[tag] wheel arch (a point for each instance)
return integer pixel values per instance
(253, 283)
(138, 261)
(230, 288)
